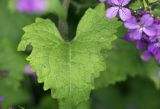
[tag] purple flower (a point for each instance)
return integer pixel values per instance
(142, 12)
(102, 0)
(31, 6)
(140, 44)
(145, 25)
(118, 8)
(155, 50)
(145, 56)
(2, 98)
(28, 70)
(108, 1)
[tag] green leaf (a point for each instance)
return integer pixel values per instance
(14, 97)
(122, 61)
(152, 1)
(135, 93)
(12, 65)
(153, 70)
(11, 23)
(69, 68)
(84, 105)
(148, 2)
(47, 103)
(156, 9)
(156, 12)
(136, 4)
(56, 7)
(139, 4)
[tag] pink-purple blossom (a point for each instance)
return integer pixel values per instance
(28, 70)
(118, 8)
(143, 28)
(31, 6)
(146, 33)
(102, 0)
(108, 1)
(145, 25)
(2, 98)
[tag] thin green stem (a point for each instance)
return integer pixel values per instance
(81, 6)
(62, 24)
(142, 3)
(147, 2)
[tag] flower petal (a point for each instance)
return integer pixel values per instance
(102, 0)
(125, 14)
(112, 12)
(115, 2)
(132, 19)
(140, 44)
(109, 2)
(157, 56)
(150, 31)
(124, 2)
(136, 34)
(147, 20)
(31, 6)
(145, 56)
(131, 25)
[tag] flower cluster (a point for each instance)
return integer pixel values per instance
(143, 28)
(31, 6)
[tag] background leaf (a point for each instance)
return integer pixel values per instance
(11, 74)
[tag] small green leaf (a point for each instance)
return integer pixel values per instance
(69, 68)
(136, 4)
(156, 9)
(152, 1)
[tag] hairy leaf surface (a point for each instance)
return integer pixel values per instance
(69, 68)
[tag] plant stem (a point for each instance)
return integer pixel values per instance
(62, 24)
(147, 2)
(142, 3)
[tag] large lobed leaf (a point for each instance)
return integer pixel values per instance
(69, 68)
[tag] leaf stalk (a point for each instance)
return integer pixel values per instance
(62, 24)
